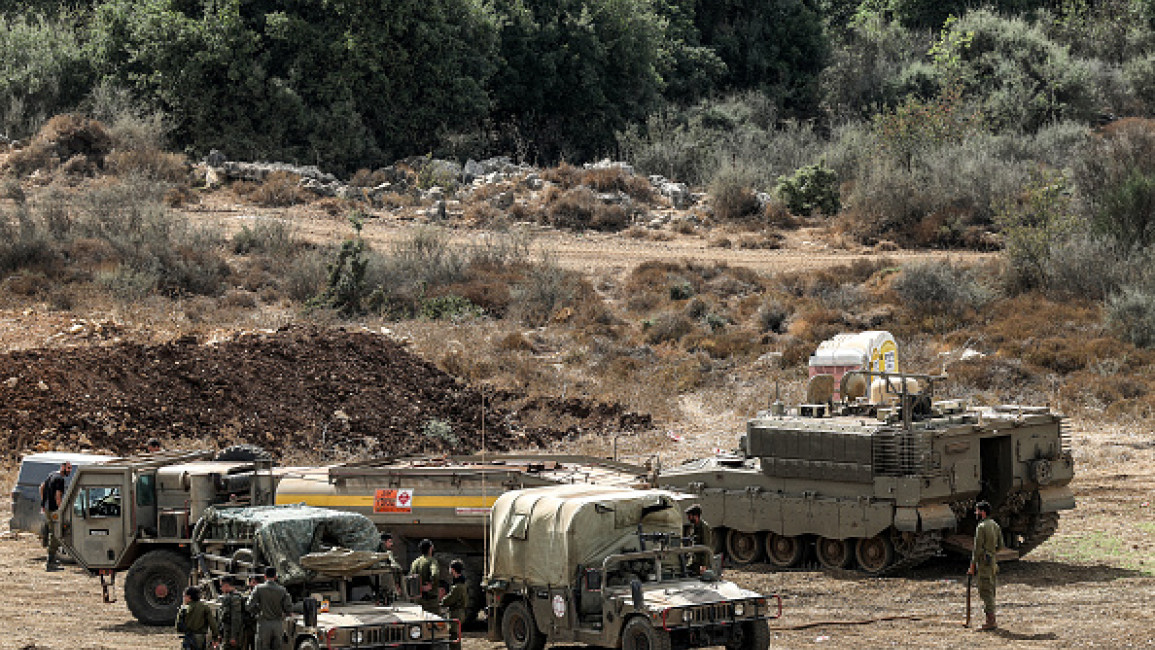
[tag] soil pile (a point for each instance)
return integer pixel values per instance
(296, 390)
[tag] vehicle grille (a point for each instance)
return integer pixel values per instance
(387, 634)
(708, 613)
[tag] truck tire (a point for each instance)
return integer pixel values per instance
(154, 586)
(519, 629)
(639, 634)
(242, 453)
(752, 635)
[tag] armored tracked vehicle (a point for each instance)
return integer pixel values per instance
(606, 567)
(883, 479)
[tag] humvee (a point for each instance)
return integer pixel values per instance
(608, 567)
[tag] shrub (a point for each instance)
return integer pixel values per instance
(448, 307)
(669, 327)
(266, 236)
(813, 188)
(733, 198)
(546, 288)
(579, 208)
(1131, 313)
(441, 432)
(941, 288)
(346, 289)
(772, 317)
(149, 163)
(681, 290)
(280, 189)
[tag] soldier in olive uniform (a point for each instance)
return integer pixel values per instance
(250, 629)
(457, 600)
(195, 621)
(427, 569)
(387, 549)
(231, 615)
(698, 532)
(984, 564)
(270, 604)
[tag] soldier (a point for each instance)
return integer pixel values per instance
(250, 632)
(699, 533)
(195, 621)
(457, 600)
(231, 615)
(270, 604)
(984, 563)
(427, 569)
(51, 493)
(387, 549)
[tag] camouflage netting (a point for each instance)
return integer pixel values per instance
(283, 534)
(339, 561)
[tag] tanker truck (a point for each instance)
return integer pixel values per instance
(883, 478)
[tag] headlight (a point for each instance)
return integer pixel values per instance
(357, 637)
(414, 631)
(739, 609)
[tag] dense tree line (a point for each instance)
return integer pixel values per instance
(350, 83)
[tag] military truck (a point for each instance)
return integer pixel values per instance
(137, 515)
(606, 566)
(322, 556)
(884, 478)
(445, 498)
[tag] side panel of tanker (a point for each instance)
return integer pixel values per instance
(876, 493)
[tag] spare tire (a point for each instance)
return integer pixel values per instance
(241, 453)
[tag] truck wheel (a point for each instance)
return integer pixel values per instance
(752, 635)
(519, 629)
(308, 644)
(242, 453)
(154, 586)
(639, 634)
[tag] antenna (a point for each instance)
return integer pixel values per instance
(484, 494)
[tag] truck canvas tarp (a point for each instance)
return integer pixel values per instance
(539, 535)
(283, 534)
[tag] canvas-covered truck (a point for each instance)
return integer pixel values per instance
(607, 567)
(323, 557)
(445, 498)
(137, 514)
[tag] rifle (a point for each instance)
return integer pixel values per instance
(968, 623)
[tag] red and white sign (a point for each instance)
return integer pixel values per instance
(393, 501)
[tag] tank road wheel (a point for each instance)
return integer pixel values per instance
(639, 634)
(783, 551)
(751, 635)
(875, 554)
(154, 587)
(519, 630)
(743, 548)
(834, 553)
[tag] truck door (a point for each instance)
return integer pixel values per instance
(96, 518)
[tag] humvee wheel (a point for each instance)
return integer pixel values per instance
(751, 635)
(743, 548)
(639, 634)
(308, 644)
(834, 553)
(154, 587)
(875, 554)
(519, 630)
(783, 551)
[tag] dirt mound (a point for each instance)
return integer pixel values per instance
(300, 389)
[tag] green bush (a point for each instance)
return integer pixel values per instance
(1131, 313)
(44, 70)
(448, 307)
(266, 236)
(813, 188)
(733, 197)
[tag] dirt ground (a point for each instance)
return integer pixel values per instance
(1092, 585)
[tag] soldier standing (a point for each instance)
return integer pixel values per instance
(984, 563)
(195, 621)
(699, 532)
(231, 615)
(51, 494)
(270, 604)
(387, 549)
(428, 571)
(457, 600)
(250, 629)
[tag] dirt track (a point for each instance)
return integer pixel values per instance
(1091, 585)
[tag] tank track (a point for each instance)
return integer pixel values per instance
(1040, 530)
(920, 549)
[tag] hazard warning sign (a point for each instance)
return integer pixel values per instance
(393, 501)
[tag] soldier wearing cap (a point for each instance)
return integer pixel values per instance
(698, 532)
